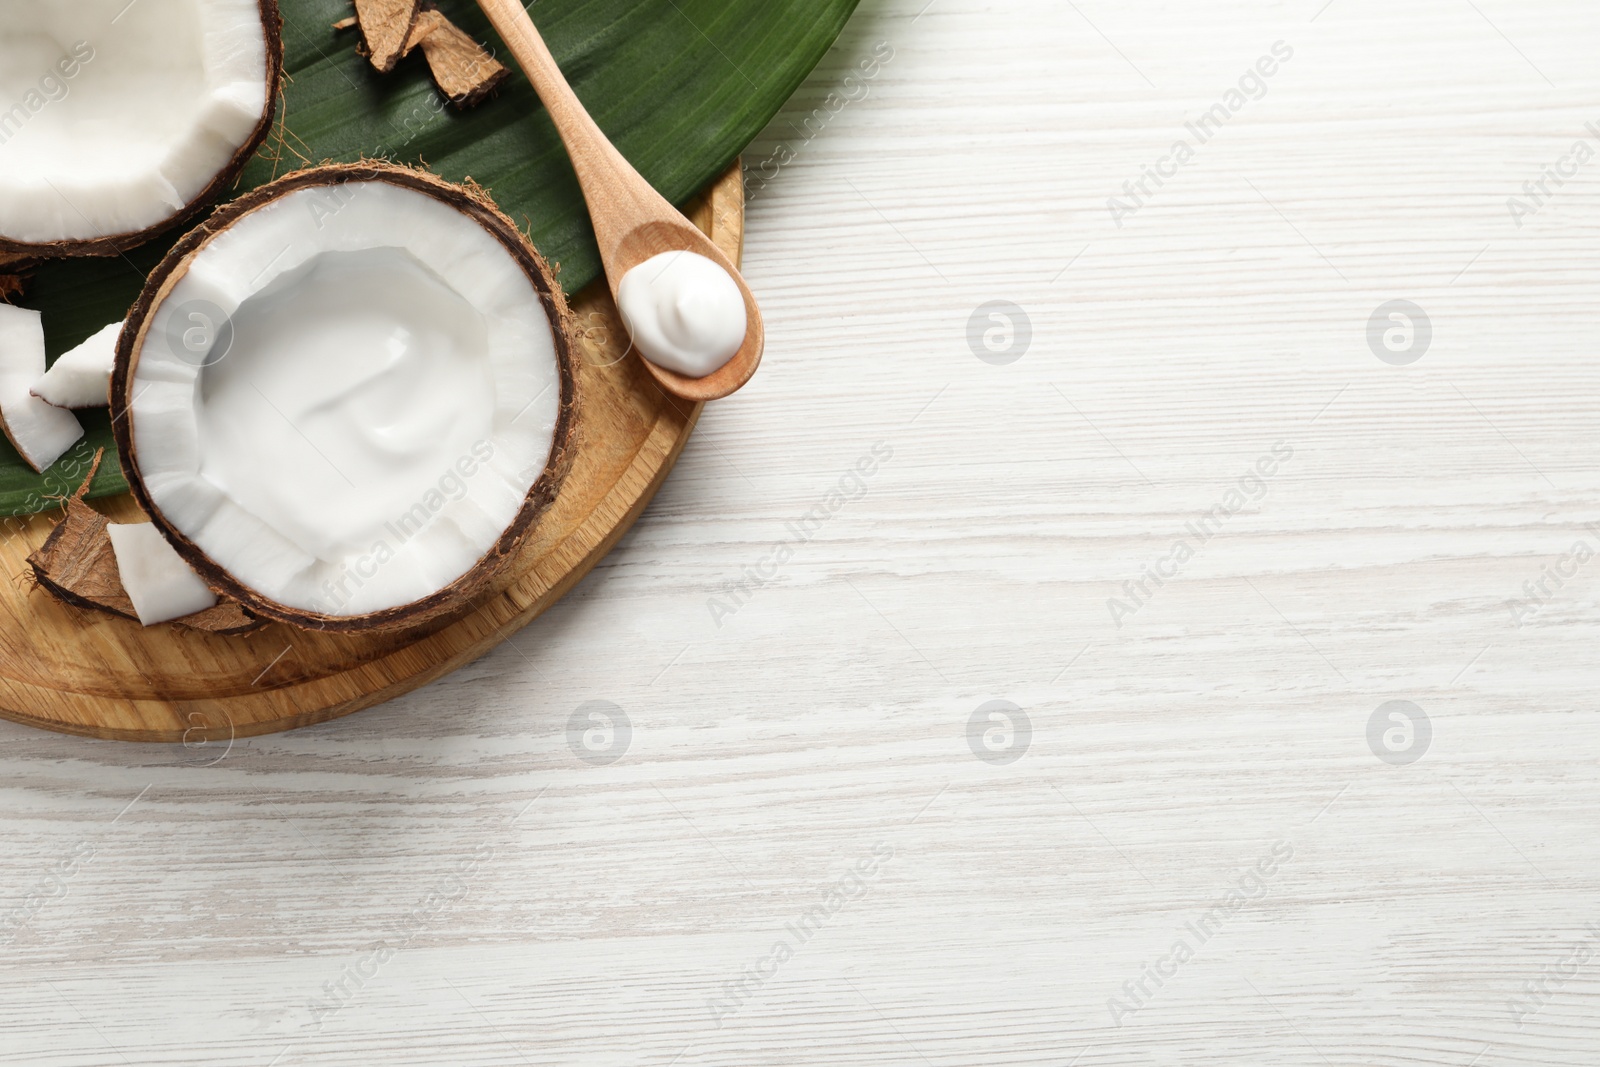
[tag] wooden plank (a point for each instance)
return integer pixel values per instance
(83, 672)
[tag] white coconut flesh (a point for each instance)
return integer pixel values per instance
(81, 377)
(40, 432)
(346, 398)
(116, 116)
(161, 585)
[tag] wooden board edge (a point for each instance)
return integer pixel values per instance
(723, 200)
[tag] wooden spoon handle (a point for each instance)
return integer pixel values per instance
(522, 37)
(616, 205)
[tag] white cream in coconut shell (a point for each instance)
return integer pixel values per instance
(383, 346)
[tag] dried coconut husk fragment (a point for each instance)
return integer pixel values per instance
(347, 24)
(77, 566)
(11, 280)
(386, 27)
(462, 69)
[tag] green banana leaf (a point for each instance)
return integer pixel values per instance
(681, 86)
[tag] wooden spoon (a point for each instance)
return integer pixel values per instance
(632, 222)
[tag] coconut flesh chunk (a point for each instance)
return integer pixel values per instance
(381, 391)
(161, 585)
(77, 564)
(40, 433)
(117, 118)
(81, 377)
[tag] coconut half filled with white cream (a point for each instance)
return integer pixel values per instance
(346, 397)
(118, 119)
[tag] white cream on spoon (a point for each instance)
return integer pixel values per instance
(684, 312)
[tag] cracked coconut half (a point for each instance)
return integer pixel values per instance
(347, 396)
(118, 120)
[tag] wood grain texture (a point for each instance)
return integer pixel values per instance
(830, 712)
(65, 668)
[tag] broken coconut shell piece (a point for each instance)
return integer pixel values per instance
(385, 28)
(384, 408)
(126, 119)
(78, 566)
(464, 71)
(462, 68)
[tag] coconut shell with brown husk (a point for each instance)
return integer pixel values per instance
(385, 29)
(462, 68)
(346, 398)
(464, 71)
(146, 116)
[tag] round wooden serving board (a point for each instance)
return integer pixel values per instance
(85, 672)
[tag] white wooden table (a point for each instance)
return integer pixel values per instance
(459, 878)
